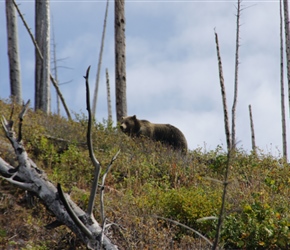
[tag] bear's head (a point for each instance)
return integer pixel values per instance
(130, 125)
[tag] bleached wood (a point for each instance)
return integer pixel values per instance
(29, 177)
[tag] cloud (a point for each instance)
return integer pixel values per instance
(172, 71)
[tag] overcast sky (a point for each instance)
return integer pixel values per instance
(172, 72)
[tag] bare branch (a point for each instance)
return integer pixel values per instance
(94, 109)
(72, 214)
(103, 186)
(187, 227)
(27, 176)
(223, 91)
(95, 162)
(21, 115)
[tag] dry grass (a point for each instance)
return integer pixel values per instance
(146, 180)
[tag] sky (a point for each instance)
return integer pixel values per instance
(172, 71)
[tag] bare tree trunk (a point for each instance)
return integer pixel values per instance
(42, 67)
(13, 52)
(223, 90)
(252, 130)
(120, 60)
(110, 118)
(287, 44)
(283, 112)
(236, 77)
(94, 109)
(228, 138)
(29, 177)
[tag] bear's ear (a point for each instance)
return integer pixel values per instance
(134, 117)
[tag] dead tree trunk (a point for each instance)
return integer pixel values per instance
(236, 76)
(287, 44)
(94, 109)
(223, 91)
(110, 118)
(252, 130)
(42, 66)
(13, 52)
(229, 146)
(283, 111)
(29, 177)
(120, 60)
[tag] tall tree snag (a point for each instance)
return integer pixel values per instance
(110, 118)
(252, 130)
(283, 111)
(229, 146)
(13, 52)
(223, 92)
(120, 60)
(42, 66)
(287, 44)
(236, 76)
(94, 109)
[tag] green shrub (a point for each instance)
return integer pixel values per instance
(258, 226)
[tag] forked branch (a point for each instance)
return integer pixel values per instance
(28, 177)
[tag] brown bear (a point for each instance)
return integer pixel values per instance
(165, 133)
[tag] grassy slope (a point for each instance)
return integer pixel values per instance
(146, 180)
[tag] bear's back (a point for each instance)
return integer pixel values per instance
(170, 135)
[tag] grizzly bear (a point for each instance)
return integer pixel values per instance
(165, 133)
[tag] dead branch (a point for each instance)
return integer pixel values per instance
(187, 227)
(29, 177)
(103, 187)
(223, 91)
(95, 162)
(100, 62)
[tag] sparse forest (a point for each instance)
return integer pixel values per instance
(75, 183)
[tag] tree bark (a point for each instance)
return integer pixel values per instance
(223, 92)
(252, 130)
(42, 66)
(13, 52)
(287, 44)
(283, 111)
(236, 77)
(110, 118)
(120, 60)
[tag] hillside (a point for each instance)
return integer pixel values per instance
(146, 182)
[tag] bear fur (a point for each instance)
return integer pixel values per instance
(165, 133)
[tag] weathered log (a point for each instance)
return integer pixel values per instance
(29, 177)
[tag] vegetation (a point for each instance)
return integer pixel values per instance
(147, 182)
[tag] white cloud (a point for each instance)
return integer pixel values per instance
(172, 72)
